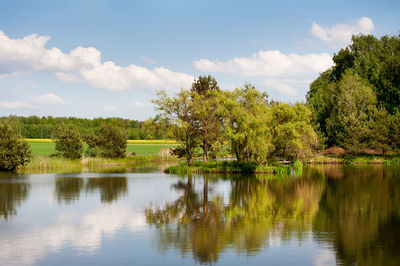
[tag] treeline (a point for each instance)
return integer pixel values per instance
(46, 127)
(243, 122)
(352, 107)
(356, 102)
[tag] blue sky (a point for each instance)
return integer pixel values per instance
(108, 58)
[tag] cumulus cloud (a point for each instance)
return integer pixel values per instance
(15, 104)
(48, 98)
(82, 64)
(271, 63)
(341, 33)
(277, 69)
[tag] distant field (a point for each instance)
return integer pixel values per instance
(140, 147)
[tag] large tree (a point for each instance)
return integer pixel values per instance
(204, 94)
(184, 126)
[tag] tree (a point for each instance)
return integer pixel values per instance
(244, 115)
(204, 93)
(14, 150)
(354, 100)
(293, 136)
(68, 143)
(183, 126)
(112, 141)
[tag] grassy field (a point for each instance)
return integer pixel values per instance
(139, 147)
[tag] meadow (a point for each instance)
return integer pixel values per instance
(45, 147)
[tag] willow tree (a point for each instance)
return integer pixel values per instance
(244, 114)
(183, 124)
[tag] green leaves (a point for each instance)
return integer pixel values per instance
(14, 150)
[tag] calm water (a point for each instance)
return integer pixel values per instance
(329, 215)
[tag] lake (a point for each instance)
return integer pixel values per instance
(327, 215)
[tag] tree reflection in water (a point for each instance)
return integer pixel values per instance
(68, 189)
(355, 210)
(259, 212)
(12, 194)
(359, 215)
(111, 188)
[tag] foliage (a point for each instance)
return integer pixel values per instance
(355, 102)
(183, 126)
(111, 141)
(14, 150)
(45, 127)
(68, 143)
(204, 94)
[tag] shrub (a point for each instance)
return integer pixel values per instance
(112, 141)
(68, 143)
(14, 150)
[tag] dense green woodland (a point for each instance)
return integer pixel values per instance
(356, 103)
(45, 127)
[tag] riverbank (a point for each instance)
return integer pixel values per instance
(233, 167)
(388, 159)
(57, 164)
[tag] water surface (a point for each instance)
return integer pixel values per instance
(328, 215)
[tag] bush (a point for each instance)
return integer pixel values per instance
(68, 143)
(112, 141)
(14, 150)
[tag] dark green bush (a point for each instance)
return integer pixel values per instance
(68, 143)
(14, 150)
(112, 141)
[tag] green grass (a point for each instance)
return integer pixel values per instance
(148, 149)
(42, 148)
(45, 148)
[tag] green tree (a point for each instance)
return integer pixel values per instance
(293, 136)
(244, 115)
(68, 143)
(204, 93)
(14, 150)
(354, 100)
(183, 126)
(112, 141)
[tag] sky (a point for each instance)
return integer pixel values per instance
(89, 58)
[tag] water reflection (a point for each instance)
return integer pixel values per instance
(259, 213)
(353, 210)
(68, 189)
(111, 188)
(359, 216)
(12, 194)
(348, 215)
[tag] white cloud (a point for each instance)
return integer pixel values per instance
(15, 104)
(30, 54)
(48, 98)
(277, 69)
(341, 33)
(68, 77)
(271, 63)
